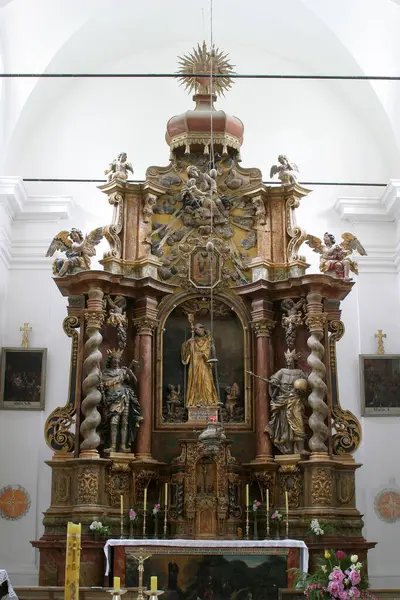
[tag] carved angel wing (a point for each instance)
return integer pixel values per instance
(274, 170)
(350, 242)
(92, 239)
(60, 242)
(315, 243)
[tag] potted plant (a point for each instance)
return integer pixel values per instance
(98, 530)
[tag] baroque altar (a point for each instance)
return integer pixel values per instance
(203, 355)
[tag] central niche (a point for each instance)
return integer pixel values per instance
(190, 377)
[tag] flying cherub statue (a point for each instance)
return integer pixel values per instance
(287, 170)
(78, 250)
(335, 257)
(119, 168)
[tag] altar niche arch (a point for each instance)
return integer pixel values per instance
(231, 332)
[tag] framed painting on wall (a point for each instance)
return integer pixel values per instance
(23, 378)
(380, 385)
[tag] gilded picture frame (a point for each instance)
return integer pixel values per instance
(380, 385)
(23, 378)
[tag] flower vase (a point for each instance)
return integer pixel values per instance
(255, 529)
(131, 530)
(156, 527)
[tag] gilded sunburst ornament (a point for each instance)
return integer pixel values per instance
(202, 60)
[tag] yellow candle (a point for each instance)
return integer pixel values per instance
(122, 504)
(247, 495)
(153, 584)
(166, 494)
(117, 584)
(267, 499)
(287, 502)
(145, 499)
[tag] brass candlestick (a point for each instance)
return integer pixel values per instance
(122, 526)
(287, 526)
(165, 521)
(140, 560)
(267, 537)
(247, 523)
(153, 595)
(116, 594)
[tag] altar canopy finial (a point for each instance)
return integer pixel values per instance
(25, 332)
(379, 336)
(203, 60)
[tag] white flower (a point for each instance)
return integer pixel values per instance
(354, 558)
(93, 525)
(324, 569)
(321, 532)
(358, 566)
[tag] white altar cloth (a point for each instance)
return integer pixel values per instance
(11, 594)
(211, 544)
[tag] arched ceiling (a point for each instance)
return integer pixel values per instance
(96, 35)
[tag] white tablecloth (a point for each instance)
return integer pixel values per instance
(4, 577)
(211, 544)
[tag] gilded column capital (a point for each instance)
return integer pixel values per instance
(145, 326)
(316, 321)
(94, 318)
(263, 327)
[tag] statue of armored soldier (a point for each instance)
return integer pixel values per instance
(121, 407)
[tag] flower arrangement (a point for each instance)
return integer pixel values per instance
(212, 419)
(319, 529)
(98, 529)
(338, 577)
(132, 514)
(276, 516)
(256, 505)
(156, 509)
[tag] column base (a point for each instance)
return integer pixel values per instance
(319, 456)
(145, 457)
(89, 454)
(262, 459)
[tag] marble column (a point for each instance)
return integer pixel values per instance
(145, 328)
(316, 320)
(94, 316)
(262, 325)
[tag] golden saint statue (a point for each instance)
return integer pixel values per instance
(200, 383)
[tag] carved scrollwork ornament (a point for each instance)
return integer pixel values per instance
(348, 434)
(291, 482)
(263, 327)
(88, 487)
(321, 487)
(111, 232)
(56, 430)
(297, 235)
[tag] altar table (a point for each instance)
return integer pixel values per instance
(296, 550)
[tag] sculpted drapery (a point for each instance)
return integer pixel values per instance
(200, 382)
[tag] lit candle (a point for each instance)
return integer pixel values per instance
(145, 499)
(287, 503)
(122, 504)
(166, 494)
(267, 499)
(247, 495)
(117, 584)
(153, 584)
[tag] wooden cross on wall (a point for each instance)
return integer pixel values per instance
(25, 331)
(379, 336)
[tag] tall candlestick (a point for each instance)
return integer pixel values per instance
(166, 494)
(247, 495)
(267, 499)
(165, 511)
(121, 500)
(144, 511)
(267, 513)
(287, 514)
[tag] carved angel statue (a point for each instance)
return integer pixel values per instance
(335, 257)
(78, 250)
(287, 170)
(119, 168)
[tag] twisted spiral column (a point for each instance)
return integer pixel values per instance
(91, 367)
(315, 322)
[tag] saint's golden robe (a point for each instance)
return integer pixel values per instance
(200, 383)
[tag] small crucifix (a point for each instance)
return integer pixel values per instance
(25, 331)
(379, 336)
